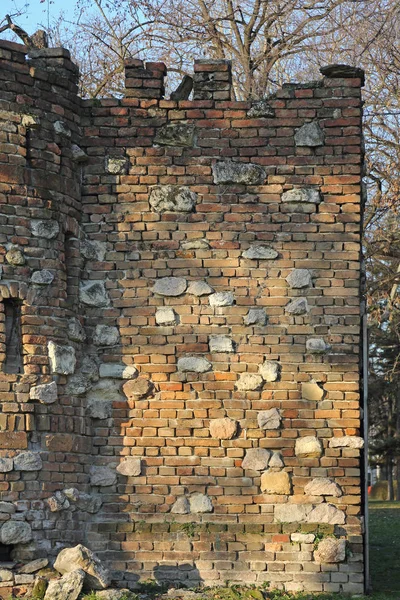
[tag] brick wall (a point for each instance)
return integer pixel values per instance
(194, 354)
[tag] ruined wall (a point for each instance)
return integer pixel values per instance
(189, 284)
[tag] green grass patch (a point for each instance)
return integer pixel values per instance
(384, 534)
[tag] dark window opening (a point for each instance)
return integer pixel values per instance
(5, 553)
(13, 337)
(72, 265)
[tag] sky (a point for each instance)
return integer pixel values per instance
(36, 13)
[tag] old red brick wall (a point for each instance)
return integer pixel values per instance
(189, 406)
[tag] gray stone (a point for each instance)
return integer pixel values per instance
(249, 382)
(298, 207)
(116, 165)
(222, 299)
(199, 288)
(275, 482)
(106, 336)
(256, 459)
(6, 465)
(7, 507)
(170, 286)
(102, 476)
(302, 195)
(172, 198)
(248, 199)
(62, 358)
(310, 134)
(75, 330)
(138, 388)
(15, 257)
(276, 461)
(291, 513)
(195, 364)
(15, 532)
(269, 419)
(90, 503)
(326, 513)
(343, 72)
(302, 538)
(175, 134)
(93, 250)
(183, 90)
(195, 245)
(238, 172)
(323, 486)
(43, 277)
(200, 503)
(58, 502)
(261, 108)
(101, 397)
(28, 461)
(258, 252)
(316, 346)
(78, 155)
(48, 229)
(166, 316)
(33, 566)
(308, 447)
(256, 316)
(118, 371)
(223, 429)
(45, 393)
(346, 441)
(181, 506)
(310, 390)
(78, 385)
(330, 550)
(68, 587)
(269, 370)
(62, 128)
(298, 306)
(220, 343)
(130, 467)
(115, 594)
(6, 575)
(299, 278)
(93, 293)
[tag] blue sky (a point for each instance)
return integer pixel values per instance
(35, 12)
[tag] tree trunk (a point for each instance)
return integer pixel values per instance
(390, 479)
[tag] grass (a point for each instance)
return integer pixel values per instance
(384, 532)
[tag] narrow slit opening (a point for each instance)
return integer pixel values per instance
(13, 338)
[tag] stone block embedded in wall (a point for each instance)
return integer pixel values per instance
(172, 198)
(223, 429)
(310, 134)
(256, 459)
(62, 358)
(229, 172)
(93, 293)
(170, 286)
(46, 393)
(195, 364)
(258, 252)
(175, 134)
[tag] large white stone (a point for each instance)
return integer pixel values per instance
(259, 252)
(326, 513)
(170, 286)
(15, 532)
(346, 441)
(291, 513)
(308, 447)
(46, 393)
(101, 397)
(330, 550)
(172, 198)
(256, 459)
(298, 306)
(302, 538)
(223, 429)
(194, 364)
(302, 196)
(199, 288)
(97, 577)
(62, 358)
(228, 171)
(68, 587)
(220, 343)
(181, 506)
(43, 277)
(316, 346)
(28, 461)
(200, 503)
(106, 336)
(299, 278)
(130, 467)
(166, 316)
(269, 419)
(256, 316)
(275, 482)
(310, 390)
(269, 370)
(94, 293)
(222, 299)
(310, 134)
(6, 465)
(102, 476)
(249, 382)
(75, 330)
(48, 229)
(323, 486)
(118, 371)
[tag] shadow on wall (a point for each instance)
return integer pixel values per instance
(185, 575)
